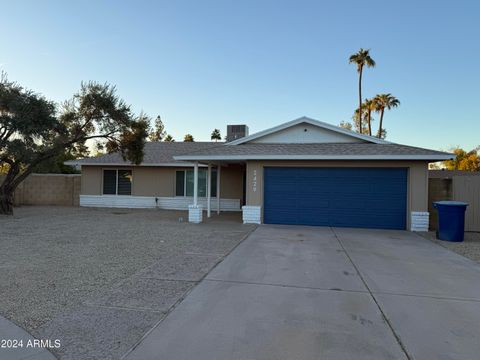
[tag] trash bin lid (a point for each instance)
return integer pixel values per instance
(451, 203)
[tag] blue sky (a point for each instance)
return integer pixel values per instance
(205, 64)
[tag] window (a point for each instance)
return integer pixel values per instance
(180, 183)
(109, 182)
(184, 183)
(117, 182)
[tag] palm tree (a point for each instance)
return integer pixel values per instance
(169, 138)
(382, 102)
(216, 135)
(369, 105)
(361, 58)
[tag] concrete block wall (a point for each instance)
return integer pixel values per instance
(49, 189)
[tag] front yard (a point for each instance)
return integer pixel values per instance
(98, 279)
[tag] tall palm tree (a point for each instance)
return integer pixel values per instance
(369, 105)
(361, 58)
(382, 102)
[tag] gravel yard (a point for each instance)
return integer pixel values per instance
(98, 279)
(470, 247)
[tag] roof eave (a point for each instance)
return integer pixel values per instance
(431, 158)
(180, 163)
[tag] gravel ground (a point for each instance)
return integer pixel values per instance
(98, 279)
(470, 247)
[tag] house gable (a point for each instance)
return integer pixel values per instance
(304, 131)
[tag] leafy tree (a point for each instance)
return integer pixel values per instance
(33, 131)
(361, 59)
(56, 165)
(216, 135)
(346, 125)
(99, 150)
(158, 132)
(382, 102)
(188, 138)
(469, 161)
(169, 138)
(4, 168)
(358, 123)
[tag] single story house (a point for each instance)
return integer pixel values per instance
(301, 172)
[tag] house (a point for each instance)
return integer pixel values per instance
(301, 172)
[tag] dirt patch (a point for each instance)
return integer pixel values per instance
(470, 247)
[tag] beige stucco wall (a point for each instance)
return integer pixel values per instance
(91, 180)
(417, 179)
(149, 181)
(231, 182)
(160, 181)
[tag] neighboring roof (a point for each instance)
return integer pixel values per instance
(326, 151)
(313, 122)
(156, 154)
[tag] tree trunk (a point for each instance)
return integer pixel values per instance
(8, 186)
(369, 124)
(379, 135)
(360, 71)
(6, 200)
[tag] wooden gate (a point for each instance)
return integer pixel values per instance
(459, 186)
(467, 189)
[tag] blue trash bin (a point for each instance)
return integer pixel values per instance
(451, 220)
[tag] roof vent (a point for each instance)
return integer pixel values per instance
(235, 132)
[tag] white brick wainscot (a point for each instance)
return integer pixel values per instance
(251, 214)
(195, 213)
(419, 221)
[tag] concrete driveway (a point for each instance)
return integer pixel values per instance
(292, 292)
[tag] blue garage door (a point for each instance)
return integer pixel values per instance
(343, 197)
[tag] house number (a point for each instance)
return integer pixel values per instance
(254, 182)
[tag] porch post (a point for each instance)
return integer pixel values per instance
(195, 214)
(195, 183)
(219, 167)
(209, 188)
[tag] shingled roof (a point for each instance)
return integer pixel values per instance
(323, 151)
(156, 154)
(183, 153)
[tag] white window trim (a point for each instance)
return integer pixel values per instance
(116, 181)
(185, 183)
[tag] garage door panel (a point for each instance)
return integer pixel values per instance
(349, 197)
(312, 204)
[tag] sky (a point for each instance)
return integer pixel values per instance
(204, 64)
